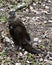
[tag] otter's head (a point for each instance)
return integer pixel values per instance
(11, 13)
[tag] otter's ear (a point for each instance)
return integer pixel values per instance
(12, 13)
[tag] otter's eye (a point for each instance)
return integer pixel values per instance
(11, 27)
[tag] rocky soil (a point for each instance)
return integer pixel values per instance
(38, 21)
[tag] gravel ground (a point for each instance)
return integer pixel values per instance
(39, 25)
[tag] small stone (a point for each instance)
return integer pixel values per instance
(37, 12)
(23, 4)
(25, 53)
(40, 41)
(1, 9)
(50, 58)
(45, 21)
(34, 44)
(8, 58)
(41, 59)
(1, 58)
(2, 64)
(37, 18)
(36, 39)
(27, 10)
(20, 54)
(46, 7)
(49, 1)
(50, 21)
(31, 7)
(28, 61)
(7, 39)
(45, 11)
(27, 17)
(45, 60)
(43, 5)
(17, 63)
(34, 4)
(23, 19)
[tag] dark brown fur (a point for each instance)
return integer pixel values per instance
(20, 35)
